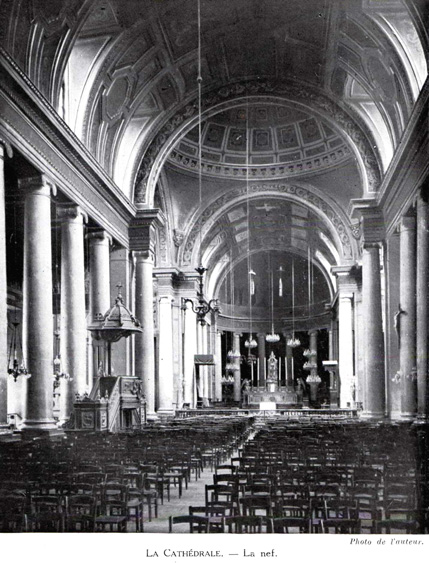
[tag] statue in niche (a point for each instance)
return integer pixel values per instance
(272, 375)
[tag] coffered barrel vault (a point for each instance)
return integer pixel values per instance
(296, 177)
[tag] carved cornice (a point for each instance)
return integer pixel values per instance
(350, 124)
(303, 194)
(71, 212)
(371, 217)
(143, 228)
(310, 165)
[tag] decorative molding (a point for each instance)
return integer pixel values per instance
(143, 229)
(305, 166)
(351, 124)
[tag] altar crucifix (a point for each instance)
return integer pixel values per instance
(272, 375)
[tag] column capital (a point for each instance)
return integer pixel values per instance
(261, 334)
(39, 182)
(71, 212)
(371, 218)
(347, 277)
(407, 223)
(99, 235)
(142, 229)
(5, 146)
(313, 331)
(166, 298)
(371, 245)
(143, 256)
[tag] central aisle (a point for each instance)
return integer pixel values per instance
(194, 495)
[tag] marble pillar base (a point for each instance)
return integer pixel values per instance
(421, 419)
(408, 416)
(35, 428)
(372, 415)
(152, 417)
(165, 413)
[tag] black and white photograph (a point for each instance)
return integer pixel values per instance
(214, 275)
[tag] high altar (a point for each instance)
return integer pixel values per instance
(271, 392)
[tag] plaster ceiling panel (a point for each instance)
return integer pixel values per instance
(167, 91)
(115, 97)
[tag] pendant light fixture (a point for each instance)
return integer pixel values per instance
(201, 307)
(293, 342)
(272, 338)
(250, 343)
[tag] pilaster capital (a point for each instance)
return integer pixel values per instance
(5, 147)
(70, 213)
(38, 183)
(371, 219)
(372, 246)
(407, 223)
(347, 277)
(142, 229)
(165, 299)
(145, 256)
(99, 235)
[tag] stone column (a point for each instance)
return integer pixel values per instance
(120, 274)
(237, 371)
(3, 295)
(37, 314)
(73, 321)
(422, 305)
(288, 361)
(144, 341)
(313, 344)
(373, 332)
(202, 370)
(393, 380)
(407, 317)
(165, 355)
(190, 349)
(218, 367)
(261, 356)
(99, 290)
(345, 331)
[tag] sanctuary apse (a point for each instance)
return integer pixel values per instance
(297, 179)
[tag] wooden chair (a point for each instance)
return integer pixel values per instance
(46, 513)
(290, 525)
(80, 515)
(198, 524)
(13, 517)
(249, 506)
(245, 524)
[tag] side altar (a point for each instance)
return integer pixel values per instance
(271, 393)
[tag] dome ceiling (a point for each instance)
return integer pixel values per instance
(283, 141)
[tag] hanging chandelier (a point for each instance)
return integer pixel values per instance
(293, 342)
(309, 353)
(273, 337)
(14, 368)
(251, 342)
(202, 307)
